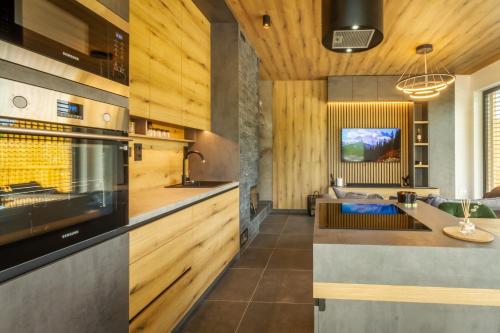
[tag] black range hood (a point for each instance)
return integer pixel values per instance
(352, 25)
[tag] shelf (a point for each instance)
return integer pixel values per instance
(421, 122)
(141, 136)
(421, 143)
(421, 166)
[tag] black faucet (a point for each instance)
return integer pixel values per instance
(184, 159)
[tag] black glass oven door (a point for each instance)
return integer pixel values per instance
(57, 191)
(68, 32)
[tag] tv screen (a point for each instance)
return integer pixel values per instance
(371, 144)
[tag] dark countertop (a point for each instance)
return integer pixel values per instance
(429, 215)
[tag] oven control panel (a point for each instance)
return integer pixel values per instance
(69, 110)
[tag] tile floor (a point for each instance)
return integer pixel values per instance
(269, 289)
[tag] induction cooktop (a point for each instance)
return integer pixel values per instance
(362, 216)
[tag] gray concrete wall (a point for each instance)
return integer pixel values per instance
(221, 145)
(384, 317)
(442, 142)
(231, 148)
(266, 141)
(86, 292)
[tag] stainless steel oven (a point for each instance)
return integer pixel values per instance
(63, 171)
(34, 33)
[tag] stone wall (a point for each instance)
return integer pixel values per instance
(248, 128)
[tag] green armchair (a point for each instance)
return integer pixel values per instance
(455, 209)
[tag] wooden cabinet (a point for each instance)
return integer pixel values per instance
(339, 88)
(160, 253)
(176, 258)
(119, 7)
(195, 67)
(364, 88)
(172, 82)
(139, 64)
(387, 90)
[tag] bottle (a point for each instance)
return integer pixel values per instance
(419, 135)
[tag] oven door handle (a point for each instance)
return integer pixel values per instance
(73, 135)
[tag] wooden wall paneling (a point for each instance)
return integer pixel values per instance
(299, 140)
(166, 55)
(161, 165)
(139, 61)
(368, 115)
(465, 35)
(195, 67)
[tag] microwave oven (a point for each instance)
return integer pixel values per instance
(67, 38)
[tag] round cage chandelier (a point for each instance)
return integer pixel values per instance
(427, 85)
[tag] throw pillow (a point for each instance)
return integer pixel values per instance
(494, 193)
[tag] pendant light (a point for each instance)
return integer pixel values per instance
(427, 85)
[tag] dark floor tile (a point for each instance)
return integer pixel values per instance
(264, 241)
(271, 227)
(299, 224)
(285, 286)
(275, 219)
(291, 259)
(301, 218)
(277, 317)
(237, 284)
(295, 241)
(253, 258)
(216, 316)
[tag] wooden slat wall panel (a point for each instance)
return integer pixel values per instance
(299, 142)
(367, 115)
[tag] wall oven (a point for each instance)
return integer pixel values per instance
(49, 35)
(63, 171)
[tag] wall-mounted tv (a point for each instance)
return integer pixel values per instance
(371, 144)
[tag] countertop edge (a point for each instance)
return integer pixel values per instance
(145, 218)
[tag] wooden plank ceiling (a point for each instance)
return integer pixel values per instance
(465, 34)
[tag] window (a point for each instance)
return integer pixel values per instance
(491, 104)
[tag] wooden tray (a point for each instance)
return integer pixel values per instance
(478, 236)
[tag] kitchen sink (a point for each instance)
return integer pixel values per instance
(200, 184)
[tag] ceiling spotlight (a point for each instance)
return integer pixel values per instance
(348, 50)
(355, 27)
(266, 21)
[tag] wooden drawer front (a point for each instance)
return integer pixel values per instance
(168, 309)
(210, 243)
(216, 234)
(152, 236)
(155, 272)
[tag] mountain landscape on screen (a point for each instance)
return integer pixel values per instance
(371, 144)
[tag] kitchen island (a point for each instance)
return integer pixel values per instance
(395, 271)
